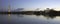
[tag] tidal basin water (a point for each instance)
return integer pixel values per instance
(28, 19)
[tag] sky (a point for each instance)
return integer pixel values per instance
(29, 4)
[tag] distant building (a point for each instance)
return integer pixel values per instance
(47, 10)
(37, 9)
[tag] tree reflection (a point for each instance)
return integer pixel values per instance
(49, 16)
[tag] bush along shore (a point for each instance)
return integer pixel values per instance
(50, 12)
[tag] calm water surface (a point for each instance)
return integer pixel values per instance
(28, 19)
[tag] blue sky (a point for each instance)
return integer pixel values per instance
(30, 4)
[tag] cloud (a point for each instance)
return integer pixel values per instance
(18, 9)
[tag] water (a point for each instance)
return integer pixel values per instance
(28, 19)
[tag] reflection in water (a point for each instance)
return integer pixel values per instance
(49, 16)
(29, 19)
(20, 15)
